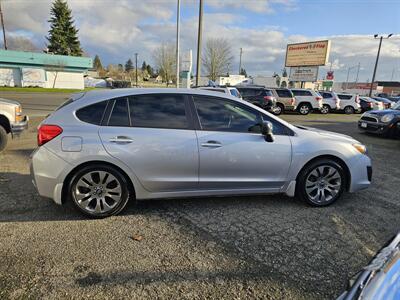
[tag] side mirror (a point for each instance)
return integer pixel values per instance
(266, 131)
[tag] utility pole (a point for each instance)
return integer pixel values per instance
(2, 25)
(240, 60)
(178, 12)
(199, 37)
(377, 60)
(136, 75)
(358, 72)
(348, 72)
(347, 78)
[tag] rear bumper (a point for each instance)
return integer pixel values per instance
(17, 128)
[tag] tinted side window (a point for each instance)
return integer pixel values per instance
(158, 111)
(268, 93)
(284, 93)
(278, 128)
(222, 115)
(325, 95)
(345, 97)
(93, 113)
(297, 93)
(119, 115)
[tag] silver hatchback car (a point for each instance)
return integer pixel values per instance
(102, 148)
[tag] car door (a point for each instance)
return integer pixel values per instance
(233, 153)
(155, 139)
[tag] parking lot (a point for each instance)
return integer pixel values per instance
(272, 247)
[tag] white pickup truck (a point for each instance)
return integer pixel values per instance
(11, 121)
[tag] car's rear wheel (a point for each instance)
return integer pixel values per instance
(325, 109)
(304, 108)
(348, 110)
(321, 182)
(99, 191)
(3, 138)
(279, 108)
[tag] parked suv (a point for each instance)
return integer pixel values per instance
(284, 100)
(349, 103)
(11, 121)
(307, 100)
(259, 96)
(222, 89)
(330, 101)
(110, 146)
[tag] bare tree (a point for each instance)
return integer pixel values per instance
(217, 56)
(164, 57)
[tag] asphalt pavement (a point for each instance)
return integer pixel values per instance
(270, 247)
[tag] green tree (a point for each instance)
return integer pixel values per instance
(144, 66)
(120, 68)
(243, 72)
(150, 70)
(97, 63)
(63, 36)
(129, 65)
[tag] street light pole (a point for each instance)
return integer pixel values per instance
(377, 60)
(240, 60)
(178, 12)
(358, 72)
(136, 75)
(199, 38)
(2, 25)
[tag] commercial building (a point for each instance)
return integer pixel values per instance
(31, 69)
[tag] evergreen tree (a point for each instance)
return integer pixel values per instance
(150, 70)
(129, 65)
(120, 68)
(97, 63)
(63, 36)
(144, 66)
(243, 72)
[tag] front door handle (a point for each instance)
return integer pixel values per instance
(211, 144)
(121, 140)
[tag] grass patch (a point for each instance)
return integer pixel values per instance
(40, 90)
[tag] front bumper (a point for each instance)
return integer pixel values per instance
(17, 128)
(375, 127)
(360, 173)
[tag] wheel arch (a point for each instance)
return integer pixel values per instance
(335, 159)
(4, 122)
(64, 195)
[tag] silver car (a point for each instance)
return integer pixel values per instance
(103, 148)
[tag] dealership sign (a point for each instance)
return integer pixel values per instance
(33, 77)
(308, 74)
(307, 54)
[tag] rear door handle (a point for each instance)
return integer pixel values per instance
(121, 140)
(211, 144)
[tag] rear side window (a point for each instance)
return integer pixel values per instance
(345, 97)
(92, 114)
(268, 93)
(119, 115)
(325, 95)
(284, 93)
(234, 92)
(158, 111)
(301, 93)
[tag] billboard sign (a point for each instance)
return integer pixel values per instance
(307, 54)
(308, 74)
(33, 77)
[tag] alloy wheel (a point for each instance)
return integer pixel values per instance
(325, 109)
(304, 109)
(323, 183)
(97, 192)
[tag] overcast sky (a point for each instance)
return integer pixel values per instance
(116, 29)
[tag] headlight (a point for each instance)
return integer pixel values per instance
(360, 148)
(387, 118)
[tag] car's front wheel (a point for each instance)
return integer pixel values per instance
(321, 183)
(349, 110)
(99, 191)
(278, 109)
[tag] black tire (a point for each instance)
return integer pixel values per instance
(325, 164)
(3, 138)
(126, 192)
(279, 109)
(349, 110)
(304, 109)
(326, 109)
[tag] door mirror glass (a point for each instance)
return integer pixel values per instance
(267, 131)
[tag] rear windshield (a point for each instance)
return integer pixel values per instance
(345, 97)
(284, 93)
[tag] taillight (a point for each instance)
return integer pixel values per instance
(47, 132)
(318, 98)
(292, 101)
(357, 99)
(268, 98)
(370, 105)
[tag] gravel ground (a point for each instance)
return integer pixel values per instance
(271, 247)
